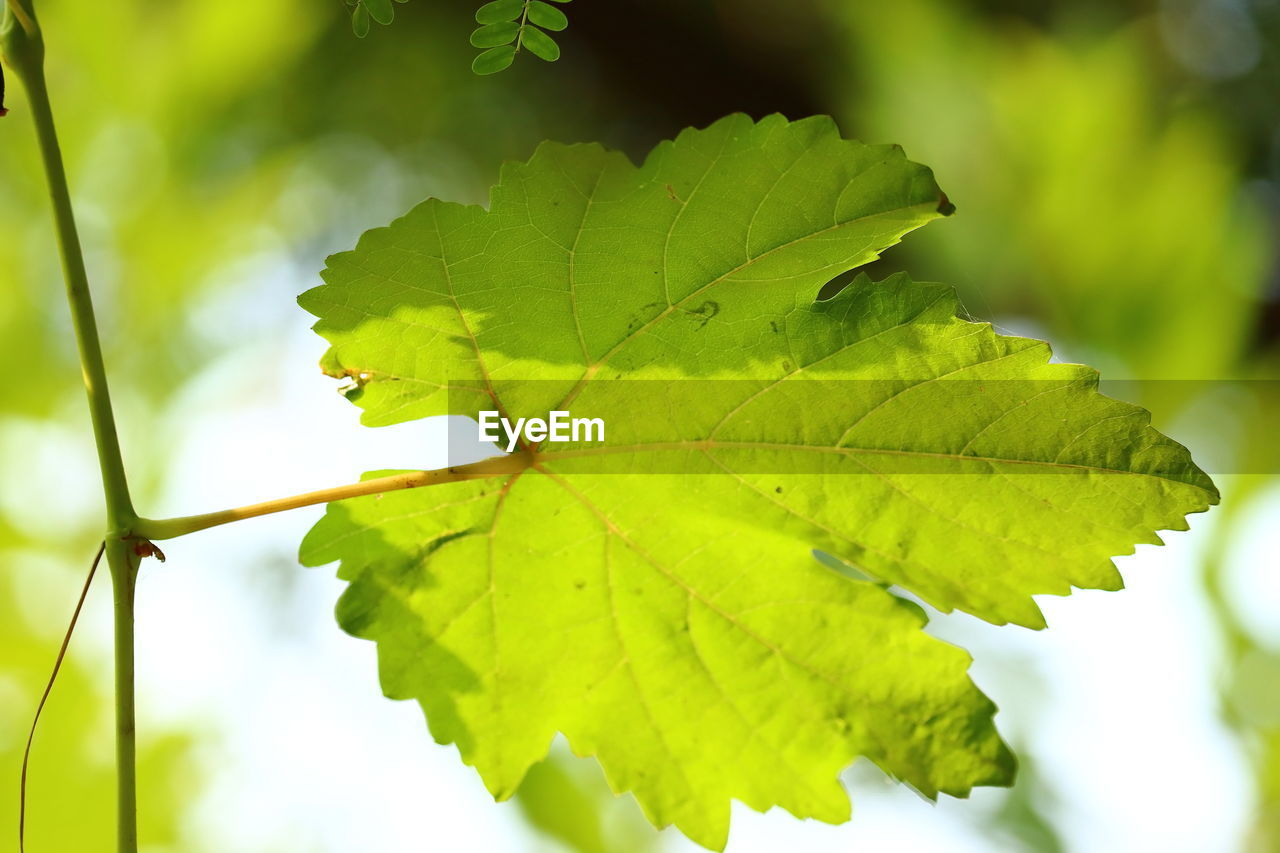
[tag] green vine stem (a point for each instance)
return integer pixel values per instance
(22, 47)
(24, 52)
(123, 562)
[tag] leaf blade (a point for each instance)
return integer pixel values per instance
(680, 597)
(499, 11)
(494, 35)
(494, 60)
(613, 674)
(546, 16)
(539, 43)
(360, 21)
(380, 10)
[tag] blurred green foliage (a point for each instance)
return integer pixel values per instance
(71, 803)
(569, 800)
(1092, 200)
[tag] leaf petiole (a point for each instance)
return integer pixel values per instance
(496, 466)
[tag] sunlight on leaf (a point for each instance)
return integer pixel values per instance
(656, 599)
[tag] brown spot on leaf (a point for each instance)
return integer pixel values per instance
(357, 379)
(705, 312)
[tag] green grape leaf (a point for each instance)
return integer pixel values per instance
(539, 43)
(654, 597)
(547, 17)
(494, 35)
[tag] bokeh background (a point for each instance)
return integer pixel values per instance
(1116, 165)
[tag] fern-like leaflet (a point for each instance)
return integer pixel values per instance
(506, 26)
